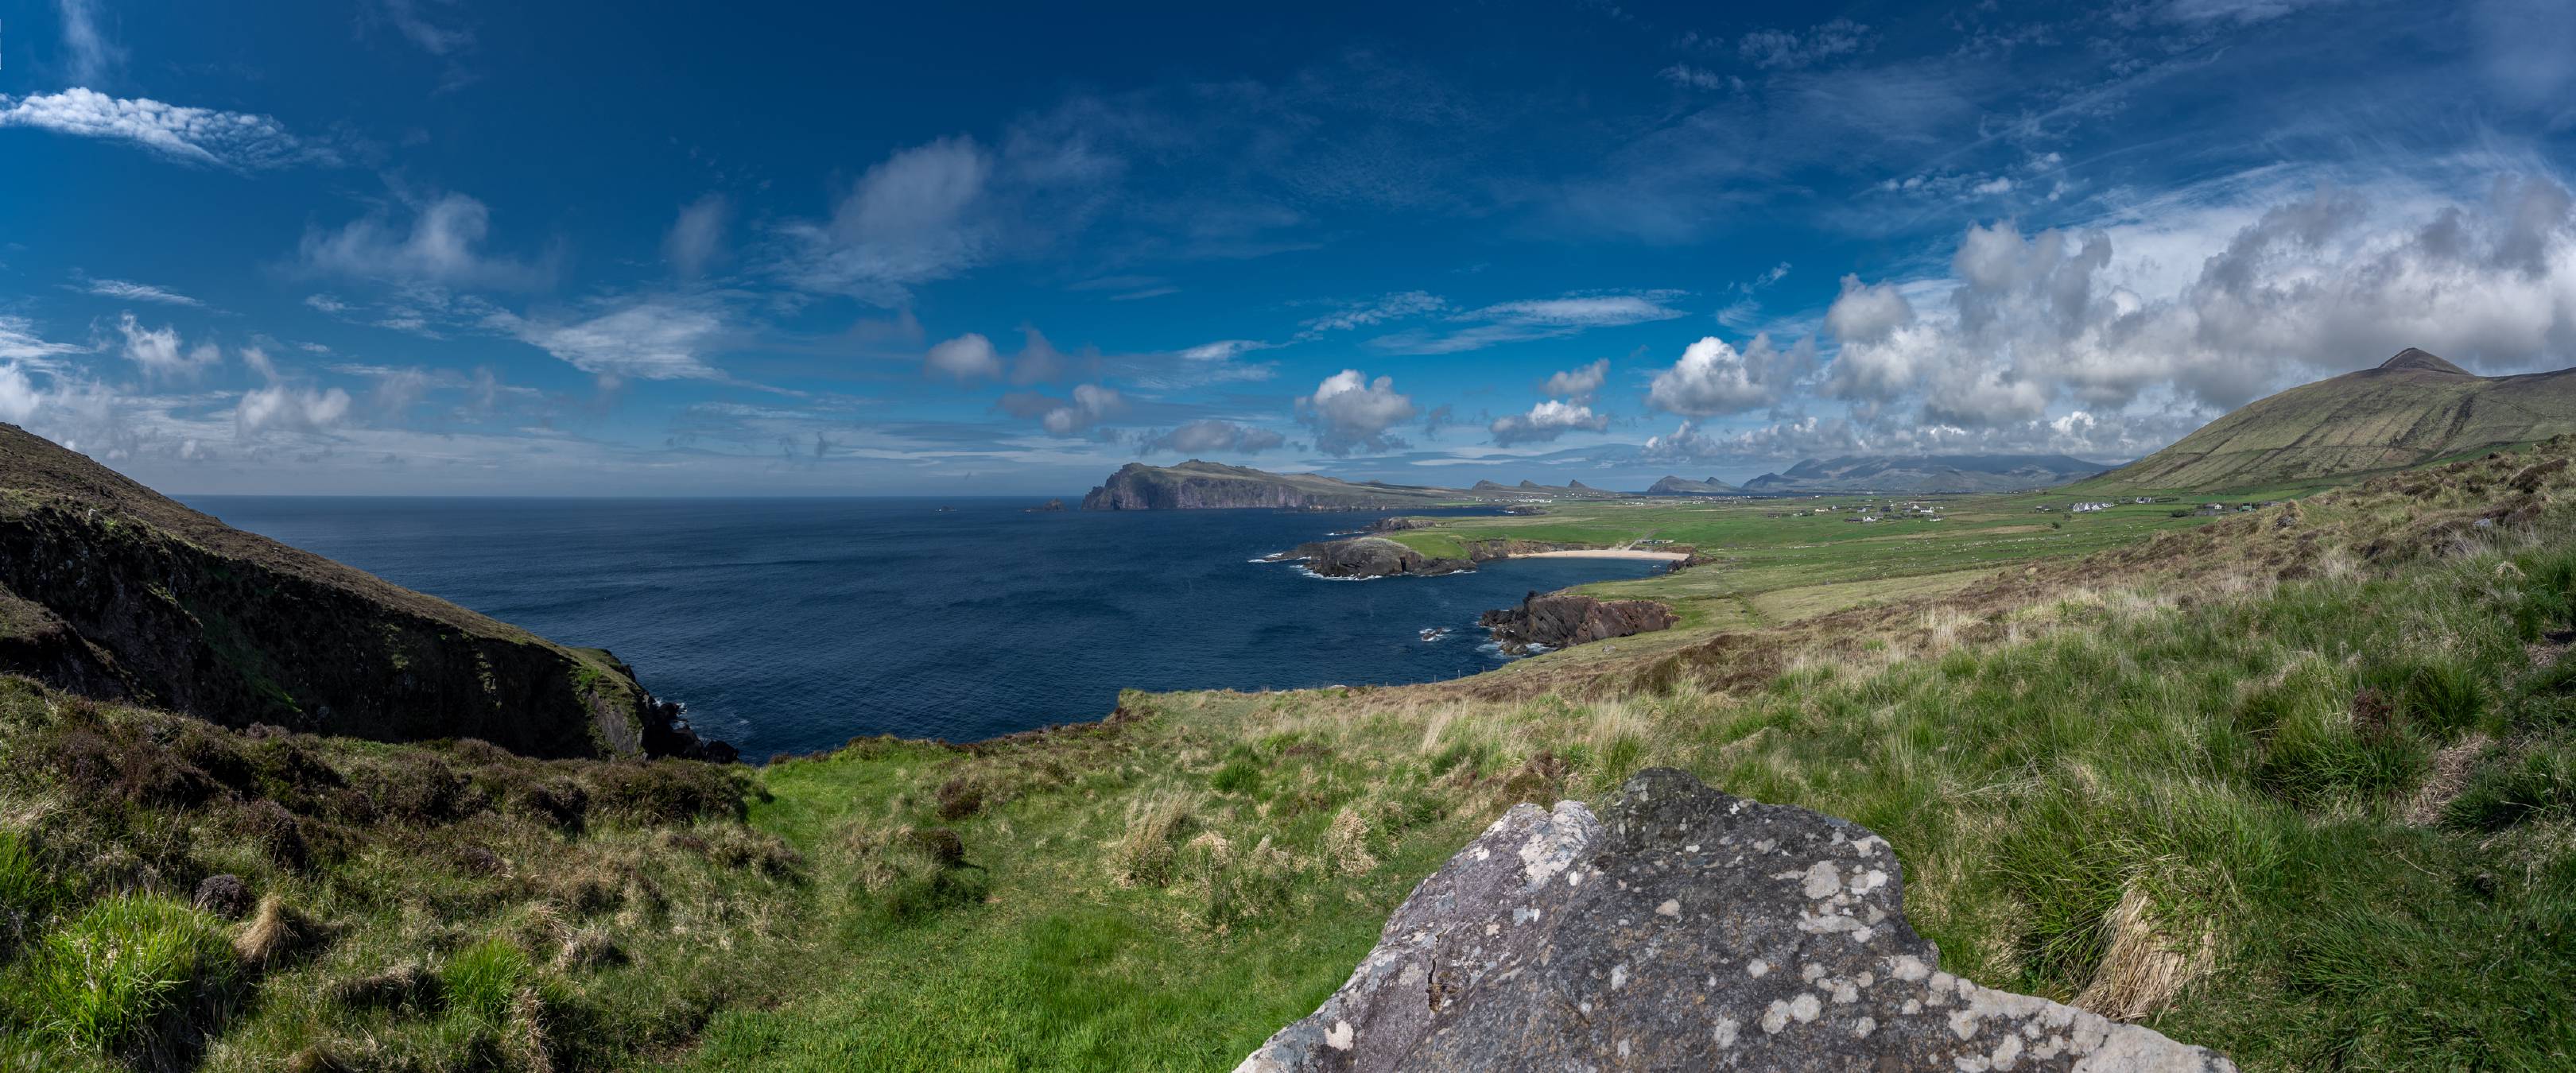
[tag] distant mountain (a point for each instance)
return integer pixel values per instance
(1677, 486)
(1924, 474)
(2413, 408)
(1196, 485)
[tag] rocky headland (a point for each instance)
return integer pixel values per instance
(114, 591)
(1369, 557)
(1197, 485)
(1560, 619)
(1684, 928)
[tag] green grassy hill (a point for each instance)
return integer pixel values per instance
(2413, 409)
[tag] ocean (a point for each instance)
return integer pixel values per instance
(793, 625)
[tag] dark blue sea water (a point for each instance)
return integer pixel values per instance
(791, 625)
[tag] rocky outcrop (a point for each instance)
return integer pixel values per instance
(111, 590)
(1367, 557)
(1560, 619)
(1399, 524)
(1684, 929)
(1042, 508)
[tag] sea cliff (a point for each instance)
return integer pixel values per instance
(114, 591)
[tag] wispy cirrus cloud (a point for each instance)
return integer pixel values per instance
(239, 140)
(129, 291)
(1541, 318)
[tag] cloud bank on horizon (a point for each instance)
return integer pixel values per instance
(453, 246)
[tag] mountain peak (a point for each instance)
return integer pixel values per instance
(2411, 358)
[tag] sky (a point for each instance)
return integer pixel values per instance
(459, 247)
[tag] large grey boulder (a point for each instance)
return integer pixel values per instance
(1685, 929)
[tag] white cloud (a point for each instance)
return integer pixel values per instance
(1091, 405)
(194, 135)
(696, 239)
(967, 357)
(439, 247)
(1211, 435)
(2031, 325)
(293, 409)
(1584, 311)
(326, 303)
(1579, 384)
(126, 291)
(19, 342)
(1224, 349)
(160, 352)
(913, 218)
(1539, 318)
(1351, 413)
(1546, 421)
(18, 395)
(432, 36)
(1039, 362)
(1396, 306)
(1713, 378)
(1790, 49)
(648, 340)
(1689, 77)
(93, 56)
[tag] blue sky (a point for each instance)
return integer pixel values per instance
(445, 246)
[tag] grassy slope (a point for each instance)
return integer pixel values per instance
(435, 907)
(2320, 822)
(2360, 423)
(2304, 790)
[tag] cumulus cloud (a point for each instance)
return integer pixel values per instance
(1579, 384)
(646, 340)
(1546, 421)
(1091, 405)
(913, 218)
(2033, 326)
(1714, 379)
(19, 396)
(1039, 362)
(439, 247)
(696, 239)
(204, 136)
(279, 407)
(967, 357)
(1351, 413)
(159, 351)
(1211, 435)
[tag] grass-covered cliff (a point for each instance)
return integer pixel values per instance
(2299, 784)
(113, 590)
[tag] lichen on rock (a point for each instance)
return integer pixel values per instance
(1684, 929)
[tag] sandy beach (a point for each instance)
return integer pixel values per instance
(1608, 553)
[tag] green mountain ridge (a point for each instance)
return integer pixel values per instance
(2411, 409)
